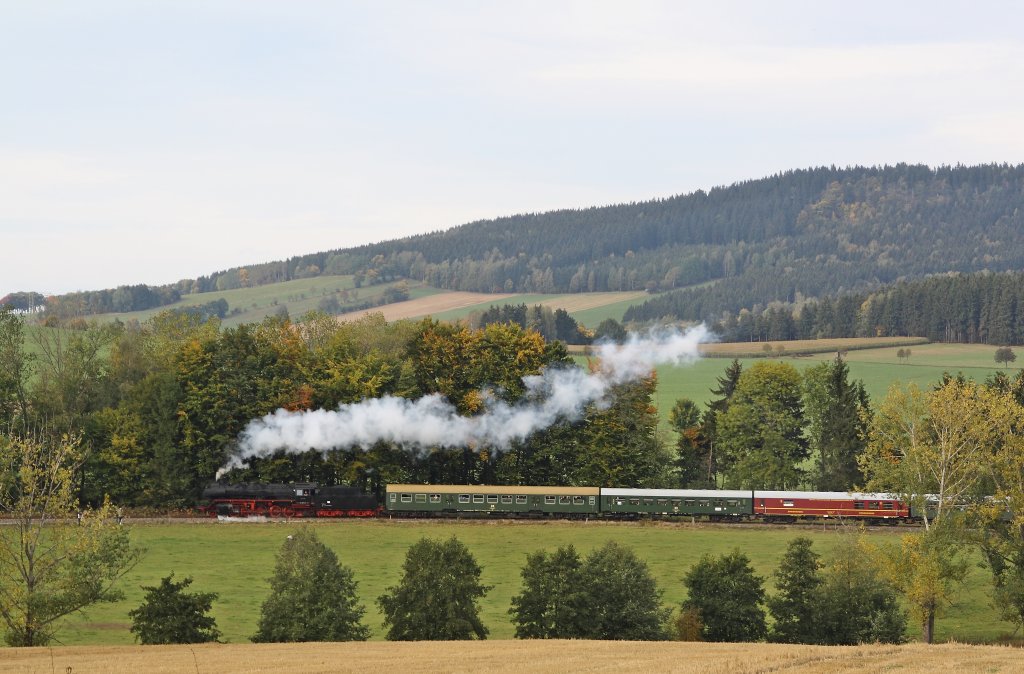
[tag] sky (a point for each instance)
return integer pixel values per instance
(146, 142)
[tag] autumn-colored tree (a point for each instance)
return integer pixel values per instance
(927, 567)
(618, 441)
(998, 522)
(931, 447)
(52, 564)
(931, 443)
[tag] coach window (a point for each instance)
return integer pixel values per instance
(662, 501)
(887, 505)
(564, 500)
(393, 497)
(704, 503)
(858, 505)
(787, 504)
(463, 498)
(577, 500)
(634, 501)
(688, 502)
(593, 500)
(731, 502)
(620, 501)
(492, 498)
(421, 498)
(549, 500)
(506, 498)
(676, 502)
(520, 499)
(435, 498)
(478, 498)
(406, 498)
(648, 501)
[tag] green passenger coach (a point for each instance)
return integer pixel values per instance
(713, 504)
(483, 499)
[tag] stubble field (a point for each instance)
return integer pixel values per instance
(540, 657)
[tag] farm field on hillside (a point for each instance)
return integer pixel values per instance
(515, 656)
(457, 305)
(236, 559)
(297, 296)
(437, 305)
(587, 308)
(878, 368)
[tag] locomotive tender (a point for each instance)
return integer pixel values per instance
(312, 500)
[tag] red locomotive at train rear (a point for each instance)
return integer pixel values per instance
(794, 505)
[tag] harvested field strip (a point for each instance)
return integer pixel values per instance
(426, 306)
(619, 657)
(794, 347)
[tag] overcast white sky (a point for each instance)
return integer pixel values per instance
(145, 141)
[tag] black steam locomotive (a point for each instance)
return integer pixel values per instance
(304, 499)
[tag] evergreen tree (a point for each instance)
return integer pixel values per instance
(726, 386)
(728, 597)
(692, 455)
(312, 597)
(795, 607)
(436, 599)
(170, 615)
(836, 411)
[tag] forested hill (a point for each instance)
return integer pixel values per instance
(803, 233)
(813, 231)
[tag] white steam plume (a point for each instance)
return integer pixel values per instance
(431, 421)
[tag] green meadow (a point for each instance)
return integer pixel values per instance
(877, 368)
(236, 559)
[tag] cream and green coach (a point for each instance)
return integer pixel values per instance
(483, 499)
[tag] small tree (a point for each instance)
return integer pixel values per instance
(858, 603)
(552, 604)
(312, 596)
(52, 563)
(436, 600)
(1005, 355)
(623, 599)
(729, 596)
(928, 567)
(689, 626)
(798, 581)
(691, 446)
(169, 615)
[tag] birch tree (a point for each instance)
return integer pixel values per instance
(54, 559)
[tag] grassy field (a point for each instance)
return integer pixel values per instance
(236, 559)
(587, 308)
(877, 368)
(621, 657)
